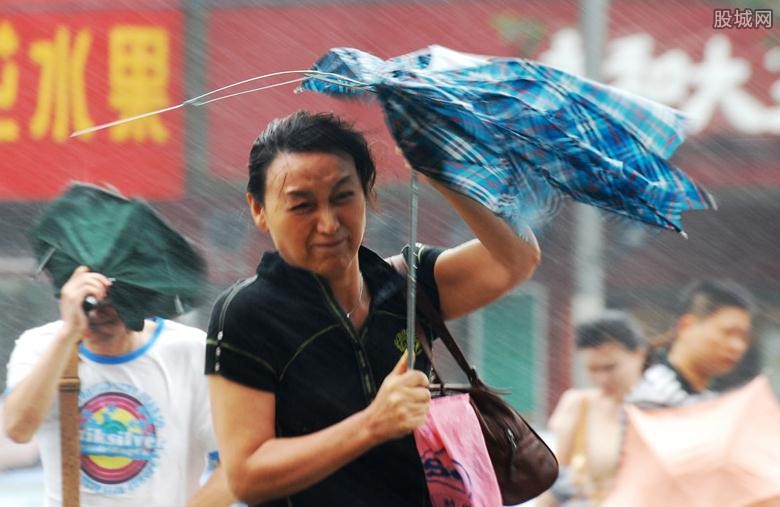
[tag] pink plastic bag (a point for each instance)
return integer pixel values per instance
(455, 460)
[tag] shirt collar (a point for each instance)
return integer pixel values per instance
(687, 387)
(382, 279)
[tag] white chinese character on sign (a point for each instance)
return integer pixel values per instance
(743, 18)
(630, 66)
(722, 19)
(627, 61)
(720, 79)
(764, 18)
(717, 80)
(717, 84)
(565, 52)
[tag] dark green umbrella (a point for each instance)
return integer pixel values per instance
(154, 269)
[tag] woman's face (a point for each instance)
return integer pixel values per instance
(314, 210)
(612, 367)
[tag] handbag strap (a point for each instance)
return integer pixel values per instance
(580, 437)
(433, 317)
(69, 386)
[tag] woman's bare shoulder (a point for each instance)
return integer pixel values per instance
(569, 406)
(578, 395)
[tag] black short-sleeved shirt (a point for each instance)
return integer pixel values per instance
(283, 332)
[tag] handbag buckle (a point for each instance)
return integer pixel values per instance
(512, 439)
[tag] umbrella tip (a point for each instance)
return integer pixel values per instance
(178, 305)
(82, 132)
(684, 234)
(45, 260)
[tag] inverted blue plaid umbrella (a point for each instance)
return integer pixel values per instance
(517, 135)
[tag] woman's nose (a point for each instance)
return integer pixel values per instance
(738, 344)
(328, 221)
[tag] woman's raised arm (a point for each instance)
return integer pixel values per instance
(476, 273)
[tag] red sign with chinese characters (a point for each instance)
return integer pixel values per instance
(63, 72)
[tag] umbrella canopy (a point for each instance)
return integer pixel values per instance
(516, 135)
(723, 452)
(155, 270)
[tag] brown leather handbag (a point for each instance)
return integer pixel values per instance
(525, 467)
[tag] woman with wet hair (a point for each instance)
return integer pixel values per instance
(313, 401)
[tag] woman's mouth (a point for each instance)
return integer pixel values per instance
(327, 245)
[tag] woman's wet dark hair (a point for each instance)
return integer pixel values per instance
(611, 326)
(306, 132)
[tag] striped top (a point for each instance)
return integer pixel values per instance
(662, 385)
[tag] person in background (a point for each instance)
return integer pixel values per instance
(710, 336)
(313, 400)
(586, 423)
(145, 435)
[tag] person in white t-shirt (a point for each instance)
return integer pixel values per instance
(13, 455)
(146, 436)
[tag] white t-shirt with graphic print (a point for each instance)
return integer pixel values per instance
(146, 435)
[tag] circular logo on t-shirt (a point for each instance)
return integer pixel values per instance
(119, 437)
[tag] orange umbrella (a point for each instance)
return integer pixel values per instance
(723, 452)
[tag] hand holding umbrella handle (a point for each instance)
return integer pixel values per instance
(91, 302)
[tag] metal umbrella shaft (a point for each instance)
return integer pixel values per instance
(411, 273)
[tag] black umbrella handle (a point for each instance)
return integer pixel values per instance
(89, 304)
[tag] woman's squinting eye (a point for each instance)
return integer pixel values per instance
(301, 207)
(343, 196)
